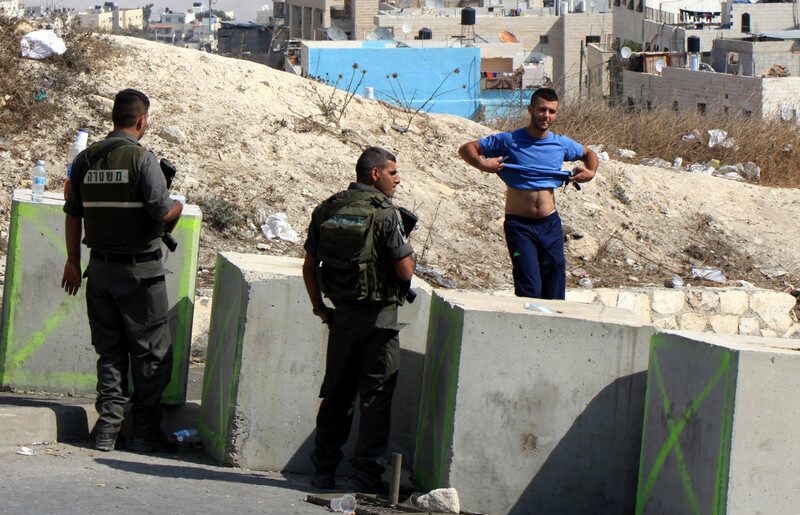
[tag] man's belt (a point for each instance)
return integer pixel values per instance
(113, 257)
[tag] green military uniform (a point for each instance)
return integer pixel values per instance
(357, 274)
(119, 191)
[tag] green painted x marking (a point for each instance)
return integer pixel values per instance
(675, 430)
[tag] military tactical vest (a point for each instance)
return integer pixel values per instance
(354, 266)
(113, 203)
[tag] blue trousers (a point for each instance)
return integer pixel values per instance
(536, 247)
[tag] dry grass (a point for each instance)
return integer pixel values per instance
(31, 90)
(771, 144)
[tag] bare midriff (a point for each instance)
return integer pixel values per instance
(530, 203)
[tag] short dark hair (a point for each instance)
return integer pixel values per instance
(129, 105)
(373, 157)
(547, 94)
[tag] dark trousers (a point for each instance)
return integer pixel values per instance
(536, 247)
(363, 358)
(128, 318)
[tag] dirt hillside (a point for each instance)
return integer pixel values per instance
(250, 141)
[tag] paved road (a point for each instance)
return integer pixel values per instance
(74, 478)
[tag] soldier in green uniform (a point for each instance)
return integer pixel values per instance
(119, 191)
(358, 256)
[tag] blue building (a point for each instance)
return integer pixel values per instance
(426, 74)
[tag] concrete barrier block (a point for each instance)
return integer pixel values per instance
(720, 429)
(527, 412)
(265, 364)
(45, 343)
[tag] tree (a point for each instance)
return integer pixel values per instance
(147, 10)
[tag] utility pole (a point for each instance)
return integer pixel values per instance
(580, 75)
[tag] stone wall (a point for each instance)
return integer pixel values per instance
(744, 311)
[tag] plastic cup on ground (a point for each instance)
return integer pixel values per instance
(344, 504)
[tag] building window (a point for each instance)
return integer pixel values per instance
(701, 108)
(544, 40)
(592, 39)
(746, 22)
(676, 106)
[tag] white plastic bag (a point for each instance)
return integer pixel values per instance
(41, 43)
(277, 226)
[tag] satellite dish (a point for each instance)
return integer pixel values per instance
(625, 52)
(439, 4)
(507, 37)
(336, 34)
(384, 34)
(430, 3)
(659, 65)
(371, 37)
(406, 28)
(592, 5)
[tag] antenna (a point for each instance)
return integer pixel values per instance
(625, 52)
(336, 34)
(406, 28)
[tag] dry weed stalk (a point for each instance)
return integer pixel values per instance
(398, 96)
(331, 109)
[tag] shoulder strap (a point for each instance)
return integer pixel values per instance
(117, 143)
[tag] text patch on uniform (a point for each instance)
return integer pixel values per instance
(106, 177)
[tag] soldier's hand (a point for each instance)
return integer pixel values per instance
(71, 280)
(327, 315)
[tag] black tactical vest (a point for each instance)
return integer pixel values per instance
(113, 203)
(355, 265)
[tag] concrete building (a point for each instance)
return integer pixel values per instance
(309, 19)
(707, 91)
(664, 26)
(111, 17)
(560, 37)
(413, 76)
(754, 56)
(243, 37)
(101, 20)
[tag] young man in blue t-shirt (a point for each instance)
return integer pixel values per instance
(529, 161)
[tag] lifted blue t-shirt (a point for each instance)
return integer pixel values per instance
(531, 163)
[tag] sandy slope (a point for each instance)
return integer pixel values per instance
(256, 137)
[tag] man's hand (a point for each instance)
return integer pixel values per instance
(581, 174)
(492, 165)
(71, 280)
(471, 154)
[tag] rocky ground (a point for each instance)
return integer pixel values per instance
(250, 141)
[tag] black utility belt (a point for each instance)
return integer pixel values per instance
(113, 257)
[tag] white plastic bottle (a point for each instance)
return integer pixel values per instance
(37, 186)
(78, 146)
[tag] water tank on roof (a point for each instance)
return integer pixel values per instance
(693, 44)
(468, 16)
(425, 33)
